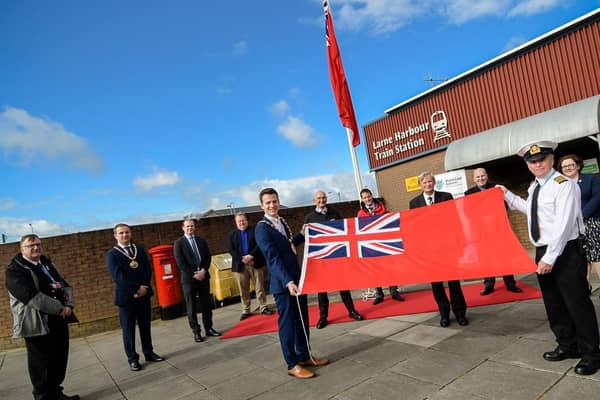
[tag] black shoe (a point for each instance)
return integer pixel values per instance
(266, 311)
(322, 323)
(586, 367)
(377, 300)
(355, 315)
(445, 322)
(135, 366)
(153, 357)
(245, 315)
(559, 354)
(198, 337)
(514, 289)
(462, 320)
(486, 290)
(213, 332)
(396, 296)
(63, 396)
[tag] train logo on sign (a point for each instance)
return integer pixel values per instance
(439, 124)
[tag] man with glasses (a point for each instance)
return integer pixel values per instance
(41, 302)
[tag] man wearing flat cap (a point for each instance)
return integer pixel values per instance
(553, 210)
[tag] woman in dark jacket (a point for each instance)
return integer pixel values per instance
(589, 184)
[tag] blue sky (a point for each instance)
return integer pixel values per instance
(143, 111)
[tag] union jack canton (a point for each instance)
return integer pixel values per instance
(374, 236)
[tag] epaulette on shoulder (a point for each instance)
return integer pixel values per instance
(560, 179)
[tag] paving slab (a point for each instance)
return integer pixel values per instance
(496, 381)
(436, 367)
(572, 387)
(389, 386)
(383, 327)
(424, 336)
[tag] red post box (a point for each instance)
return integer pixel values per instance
(168, 287)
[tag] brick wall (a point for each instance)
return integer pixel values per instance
(80, 258)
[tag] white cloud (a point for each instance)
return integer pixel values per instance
(378, 16)
(297, 131)
(27, 140)
(514, 42)
(240, 48)
(14, 228)
(295, 192)
(461, 11)
(7, 204)
(280, 108)
(156, 180)
(531, 7)
(382, 17)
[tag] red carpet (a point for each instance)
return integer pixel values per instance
(416, 302)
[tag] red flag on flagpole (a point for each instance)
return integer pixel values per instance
(338, 79)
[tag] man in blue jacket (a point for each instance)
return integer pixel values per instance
(130, 268)
(274, 237)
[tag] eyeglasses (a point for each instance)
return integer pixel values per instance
(569, 166)
(31, 246)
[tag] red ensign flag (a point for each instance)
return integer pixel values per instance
(338, 79)
(465, 238)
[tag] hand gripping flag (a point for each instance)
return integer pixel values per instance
(465, 238)
(338, 79)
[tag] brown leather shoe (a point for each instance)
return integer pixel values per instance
(314, 362)
(301, 373)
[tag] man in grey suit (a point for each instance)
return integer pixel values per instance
(193, 260)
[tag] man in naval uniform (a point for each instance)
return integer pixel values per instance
(553, 209)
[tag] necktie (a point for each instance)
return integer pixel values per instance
(533, 222)
(244, 236)
(128, 249)
(196, 252)
(429, 200)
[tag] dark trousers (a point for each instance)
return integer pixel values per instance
(509, 280)
(569, 308)
(324, 303)
(47, 357)
(379, 290)
(293, 324)
(202, 290)
(137, 311)
(457, 299)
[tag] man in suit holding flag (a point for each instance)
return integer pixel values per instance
(274, 237)
(457, 299)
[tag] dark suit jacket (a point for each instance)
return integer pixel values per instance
(235, 249)
(128, 280)
(489, 185)
(590, 195)
(281, 260)
(186, 262)
(438, 197)
(475, 189)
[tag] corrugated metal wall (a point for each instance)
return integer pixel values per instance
(559, 71)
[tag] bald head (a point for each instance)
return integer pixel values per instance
(320, 199)
(480, 176)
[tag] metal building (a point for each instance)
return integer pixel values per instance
(546, 88)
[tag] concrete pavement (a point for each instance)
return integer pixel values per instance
(498, 356)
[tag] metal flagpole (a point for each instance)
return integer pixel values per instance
(357, 177)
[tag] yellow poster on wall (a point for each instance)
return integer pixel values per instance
(412, 184)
